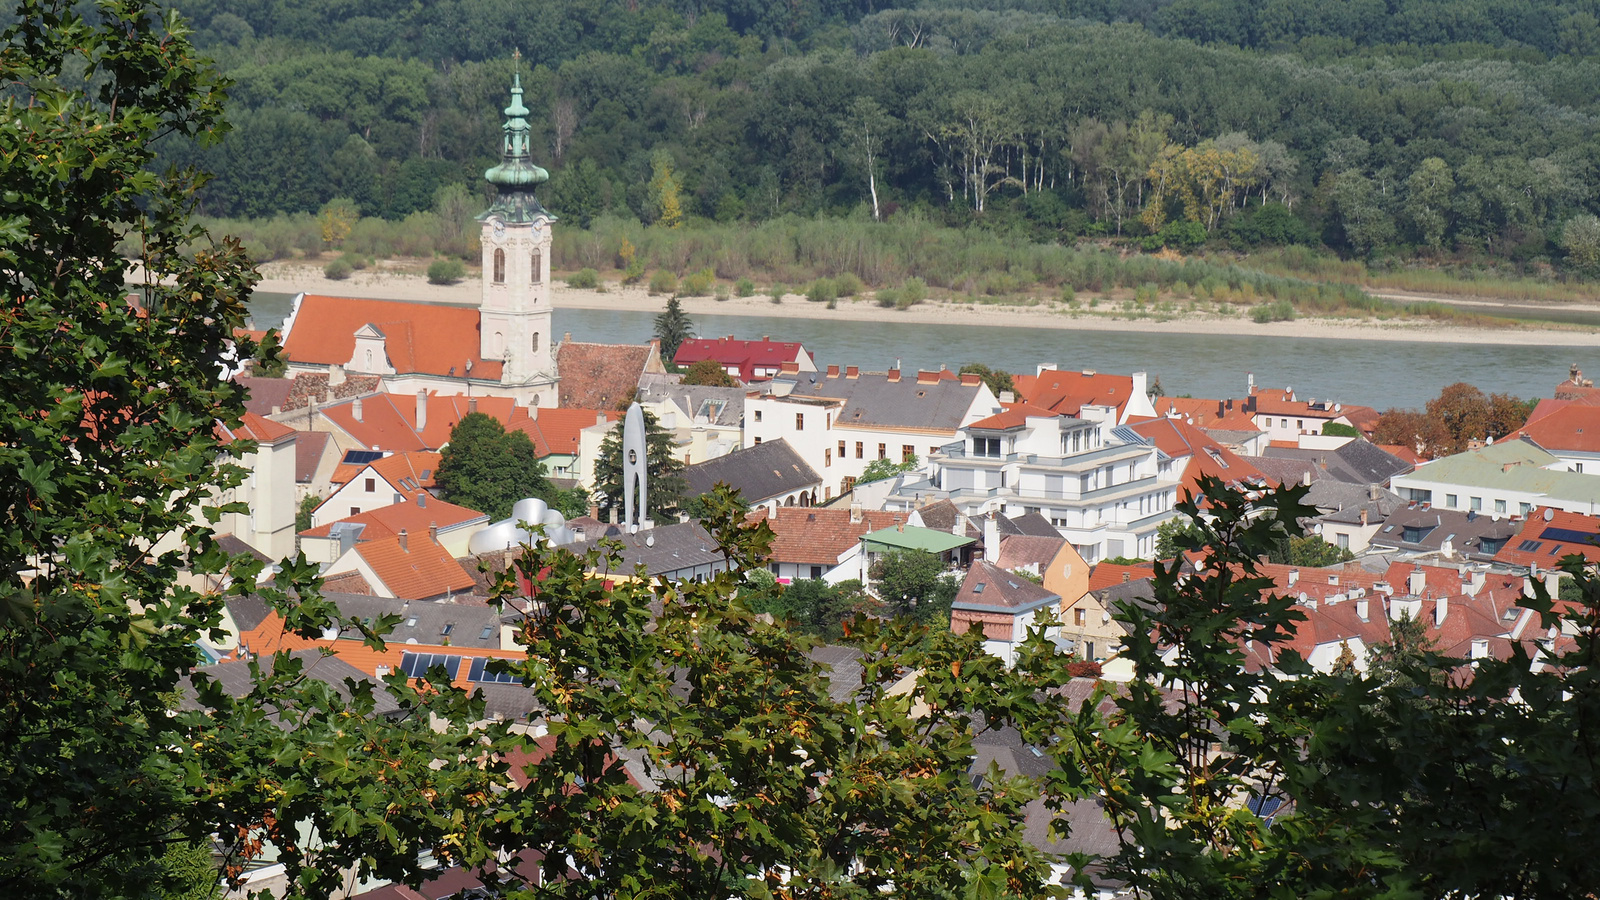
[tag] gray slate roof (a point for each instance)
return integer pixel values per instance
(718, 405)
(1357, 462)
(1467, 532)
(234, 679)
(1344, 501)
(661, 550)
(466, 620)
(767, 470)
(872, 399)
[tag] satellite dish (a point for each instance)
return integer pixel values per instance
(1549, 514)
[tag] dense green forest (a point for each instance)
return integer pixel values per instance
(1458, 130)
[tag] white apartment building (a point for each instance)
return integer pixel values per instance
(1105, 488)
(840, 421)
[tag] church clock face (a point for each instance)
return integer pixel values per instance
(499, 229)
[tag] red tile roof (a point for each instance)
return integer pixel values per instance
(388, 521)
(744, 356)
(1544, 541)
(603, 376)
(1104, 575)
(818, 537)
(253, 428)
(1408, 454)
(1180, 440)
(558, 430)
(1014, 415)
(419, 571)
(422, 338)
(1220, 415)
(1069, 392)
(1558, 425)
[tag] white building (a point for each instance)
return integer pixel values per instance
(1509, 478)
(841, 421)
(1105, 488)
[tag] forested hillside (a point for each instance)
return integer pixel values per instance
(1447, 129)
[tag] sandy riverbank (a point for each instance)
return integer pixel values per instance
(389, 282)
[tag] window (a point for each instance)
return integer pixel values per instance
(1530, 546)
(827, 456)
(486, 633)
(536, 342)
(860, 450)
(1342, 541)
(986, 447)
(883, 451)
(371, 485)
(1500, 507)
(908, 453)
(499, 266)
(1475, 504)
(448, 627)
(1283, 423)
(1451, 500)
(799, 421)
(1524, 508)
(774, 568)
(1300, 424)
(1578, 467)
(847, 485)
(758, 440)
(816, 571)
(355, 510)
(758, 415)
(841, 449)
(536, 273)
(1080, 617)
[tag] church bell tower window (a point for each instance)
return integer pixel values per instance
(499, 266)
(537, 269)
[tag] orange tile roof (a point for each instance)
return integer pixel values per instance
(1014, 415)
(422, 338)
(558, 430)
(253, 427)
(388, 521)
(1180, 440)
(1544, 541)
(1214, 414)
(818, 537)
(1558, 425)
(1104, 575)
(602, 376)
(1069, 392)
(420, 571)
(389, 421)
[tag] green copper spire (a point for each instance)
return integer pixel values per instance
(516, 175)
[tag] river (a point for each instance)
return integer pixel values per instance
(1381, 374)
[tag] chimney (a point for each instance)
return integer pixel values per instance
(1552, 581)
(1441, 610)
(355, 409)
(959, 529)
(422, 499)
(1475, 584)
(422, 410)
(594, 511)
(833, 371)
(1361, 609)
(1372, 491)
(1294, 577)
(433, 532)
(927, 377)
(533, 413)
(1249, 383)
(276, 410)
(1126, 577)
(855, 513)
(972, 379)
(1008, 397)
(347, 538)
(403, 541)
(1363, 517)
(472, 405)
(599, 418)
(765, 338)
(852, 371)
(1220, 409)
(894, 375)
(1141, 384)
(991, 539)
(566, 337)
(1416, 582)
(791, 367)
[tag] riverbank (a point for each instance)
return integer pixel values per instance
(393, 281)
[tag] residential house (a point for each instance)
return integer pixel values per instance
(404, 567)
(1350, 514)
(1422, 530)
(1106, 489)
(1570, 429)
(369, 484)
(705, 422)
(841, 421)
(1546, 537)
(874, 545)
(1195, 455)
(1086, 394)
(1224, 421)
(812, 542)
(604, 376)
(745, 360)
(316, 458)
(1289, 420)
(268, 489)
(1510, 477)
(1089, 626)
(1354, 461)
(769, 474)
(451, 526)
(1003, 605)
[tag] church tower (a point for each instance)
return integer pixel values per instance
(514, 314)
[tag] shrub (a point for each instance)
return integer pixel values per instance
(822, 290)
(338, 270)
(914, 291)
(722, 292)
(446, 271)
(663, 282)
(588, 279)
(1068, 296)
(744, 287)
(1276, 311)
(888, 298)
(848, 284)
(777, 291)
(698, 284)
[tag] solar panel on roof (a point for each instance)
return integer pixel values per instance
(1265, 807)
(362, 457)
(1570, 535)
(415, 665)
(479, 673)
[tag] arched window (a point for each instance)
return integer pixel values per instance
(499, 266)
(536, 342)
(537, 274)
(499, 341)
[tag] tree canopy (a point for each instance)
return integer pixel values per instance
(673, 327)
(709, 373)
(486, 468)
